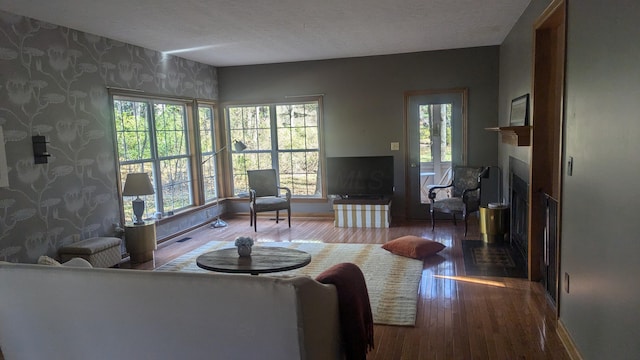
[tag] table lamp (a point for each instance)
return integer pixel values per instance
(137, 184)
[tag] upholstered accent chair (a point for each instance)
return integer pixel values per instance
(265, 194)
(465, 194)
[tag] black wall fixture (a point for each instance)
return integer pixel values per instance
(40, 153)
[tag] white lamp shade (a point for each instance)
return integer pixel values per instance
(137, 184)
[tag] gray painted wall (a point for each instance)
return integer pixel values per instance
(53, 82)
(599, 236)
(599, 249)
(363, 101)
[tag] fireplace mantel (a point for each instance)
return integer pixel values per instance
(514, 135)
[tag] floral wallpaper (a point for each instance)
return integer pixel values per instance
(53, 82)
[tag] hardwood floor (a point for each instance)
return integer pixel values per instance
(458, 317)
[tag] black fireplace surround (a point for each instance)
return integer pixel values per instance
(519, 195)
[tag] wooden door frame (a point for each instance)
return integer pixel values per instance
(464, 95)
(549, 49)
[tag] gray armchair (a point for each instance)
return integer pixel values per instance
(266, 195)
(465, 194)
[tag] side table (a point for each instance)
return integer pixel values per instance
(141, 241)
(494, 223)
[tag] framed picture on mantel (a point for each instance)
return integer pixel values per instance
(519, 111)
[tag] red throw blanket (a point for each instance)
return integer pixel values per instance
(356, 320)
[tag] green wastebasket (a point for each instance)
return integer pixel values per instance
(494, 222)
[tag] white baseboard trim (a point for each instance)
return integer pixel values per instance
(567, 341)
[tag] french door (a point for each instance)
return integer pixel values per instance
(436, 140)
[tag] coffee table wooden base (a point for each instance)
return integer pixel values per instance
(262, 260)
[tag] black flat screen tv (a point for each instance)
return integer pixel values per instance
(360, 176)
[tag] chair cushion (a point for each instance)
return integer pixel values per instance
(413, 247)
(270, 203)
(449, 205)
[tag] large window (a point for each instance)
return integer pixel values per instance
(152, 137)
(283, 136)
(210, 153)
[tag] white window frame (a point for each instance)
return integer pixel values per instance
(196, 158)
(265, 157)
(211, 153)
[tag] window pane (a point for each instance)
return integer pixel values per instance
(284, 139)
(253, 161)
(247, 161)
(205, 120)
(170, 130)
(445, 135)
(240, 183)
(299, 172)
(263, 120)
(132, 130)
(176, 184)
(425, 133)
(311, 119)
(262, 140)
(209, 160)
(251, 125)
(234, 116)
(298, 147)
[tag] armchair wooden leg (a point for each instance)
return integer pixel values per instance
(454, 219)
(433, 224)
(277, 216)
(250, 217)
(289, 216)
(465, 225)
(255, 222)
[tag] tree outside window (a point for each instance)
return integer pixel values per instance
(152, 137)
(283, 136)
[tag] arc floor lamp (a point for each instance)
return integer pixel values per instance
(239, 146)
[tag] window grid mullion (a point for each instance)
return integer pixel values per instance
(298, 142)
(157, 174)
(273, 117)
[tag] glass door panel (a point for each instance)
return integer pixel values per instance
(436, 139)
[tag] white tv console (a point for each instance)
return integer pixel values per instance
(362, 213)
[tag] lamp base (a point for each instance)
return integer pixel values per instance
(138, 211)
(218, 223)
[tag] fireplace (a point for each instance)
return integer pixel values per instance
(519, 200)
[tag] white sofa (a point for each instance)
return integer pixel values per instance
(49, 312)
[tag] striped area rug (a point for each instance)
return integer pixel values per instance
(392, 280)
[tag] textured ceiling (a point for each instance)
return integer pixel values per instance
(243, 32)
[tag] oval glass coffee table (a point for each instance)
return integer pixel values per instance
(263, 259)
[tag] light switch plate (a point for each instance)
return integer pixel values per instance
(395, 146)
